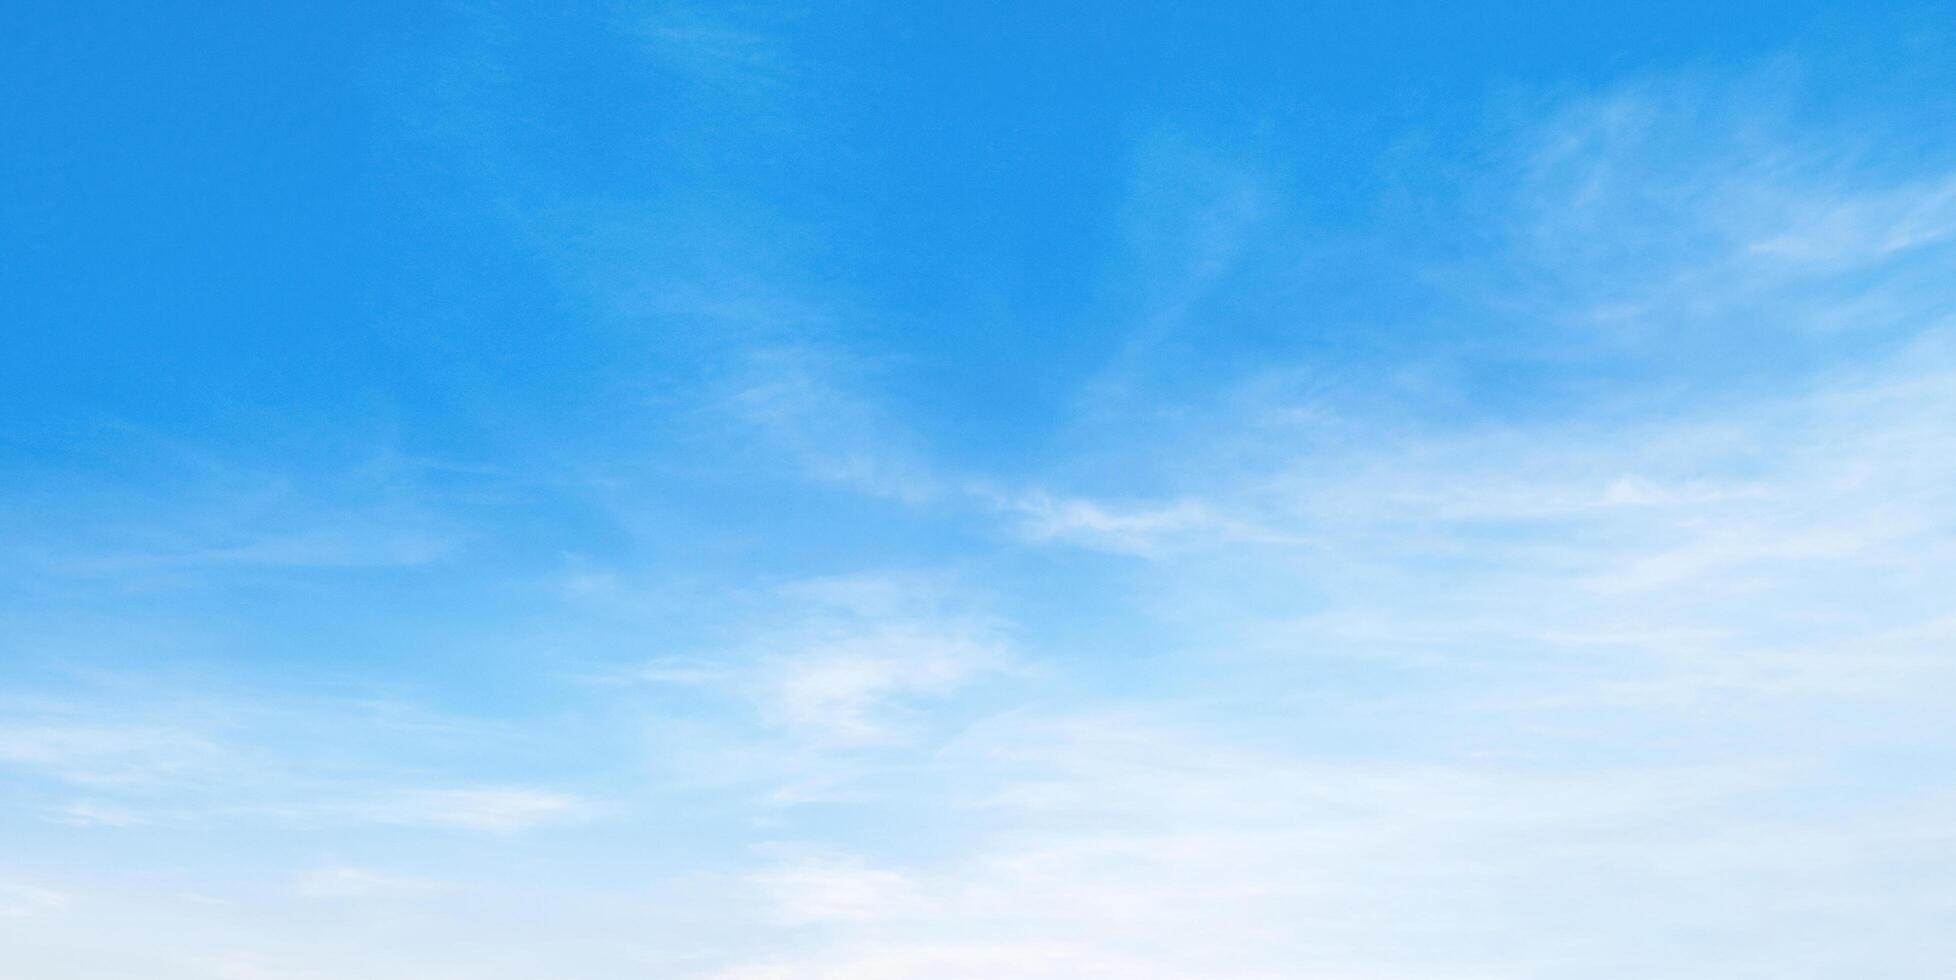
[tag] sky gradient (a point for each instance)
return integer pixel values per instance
(873, 491)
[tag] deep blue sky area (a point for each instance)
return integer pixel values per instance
(231, 218)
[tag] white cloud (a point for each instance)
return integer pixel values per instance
(109, 755)
(1832, 232)
(333, 547)
(848, 662)
(816, 890)
(1143, 529)
(19, 900)
(154, 755)
(797, 399)
(494, 810)
(340, 882)
(87, 814)
(1134, 846)
(851, 689)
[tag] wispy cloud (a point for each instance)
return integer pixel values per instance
(846, 663)
(206, 516)
(202, 760)
(343, 882)
(818, 890)
(19, 900)
(795, 399)
(1129, 528)
(494, 810)
(1140, 847)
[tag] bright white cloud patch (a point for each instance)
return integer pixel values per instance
(20, 901)
(496, 810)
(348, 883)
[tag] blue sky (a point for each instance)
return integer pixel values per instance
(876, 491)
